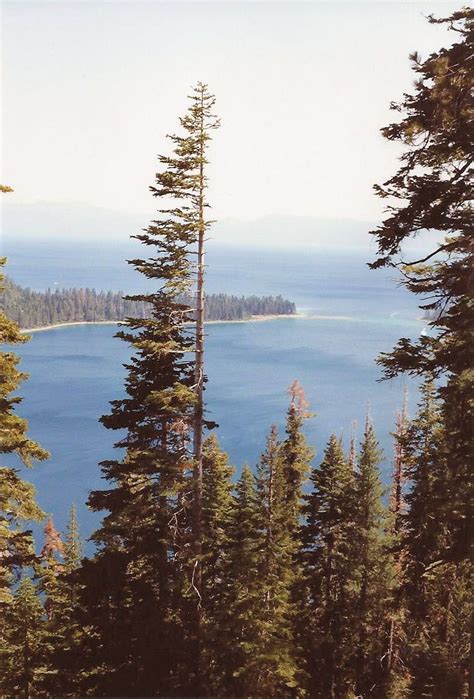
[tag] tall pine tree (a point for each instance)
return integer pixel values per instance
(17, 502)
(274, 664)
(24, 648)
(18, 506)
(217, 509)
(436, 592)
(241, 624)
(431, 192)
(146, 553)
(295, 455)
(328, 541)
(374, 574)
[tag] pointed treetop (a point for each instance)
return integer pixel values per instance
(352, 445)
(72, 544)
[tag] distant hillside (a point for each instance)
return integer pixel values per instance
(72, 220)
(34, 309)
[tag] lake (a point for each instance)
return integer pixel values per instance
(351, 314)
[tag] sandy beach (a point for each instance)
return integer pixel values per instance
(252, 319)
(65, 325)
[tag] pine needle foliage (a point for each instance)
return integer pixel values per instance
(273, 664)
(23, 661)
(18, 506)
(150, 542)
(17, 503)
(218, 512)
(432, 193)
(374, 572)
(241, 624)
(436, 592)
(330, 584)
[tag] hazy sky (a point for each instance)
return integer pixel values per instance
(91, 88)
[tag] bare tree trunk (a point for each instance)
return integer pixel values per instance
(199, 412)
(471, 649)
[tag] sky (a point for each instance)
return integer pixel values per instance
(90, 89)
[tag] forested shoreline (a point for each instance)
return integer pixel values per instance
(304, 578)
(36, 309)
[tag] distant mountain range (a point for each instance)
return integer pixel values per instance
(81, 222)
(55, 219)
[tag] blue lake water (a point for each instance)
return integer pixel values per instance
(75, 371)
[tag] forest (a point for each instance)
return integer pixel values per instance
(35, 309)
(302, 577)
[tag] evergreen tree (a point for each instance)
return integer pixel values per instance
(397, 504)
(17, 503)
(23, 665)
(352, 455)
(260, 621)
(58, 579)
(50, 567)
(373, 570)
(198, 123)
(217, 517)
(32, 309)
(436, 592)
(432, 192)
(273, 665)
(69, 638)
(396, 676)
(295, 454)
(422, 532)
(150, 635)
(17, 497)
(48, 571)
(329, 554)
(72, 547)
(241, 624)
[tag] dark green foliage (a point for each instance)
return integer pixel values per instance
(34, 309)
(261, 659)
(218, 512)
(295, 455)
(330, 589)
(240, 624)
(23, 643)
(423, 532)
(264, 569)
(57, 573)
(141, 590)
(374, 573)
(226, 307)
(436, 592)
(196, 590)
(271, 669)
(72, 547)
(432, 191)
(17, 509)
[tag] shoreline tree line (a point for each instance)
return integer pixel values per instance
(200, 586)
(35, 309)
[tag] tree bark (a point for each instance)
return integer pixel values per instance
(199, 411)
